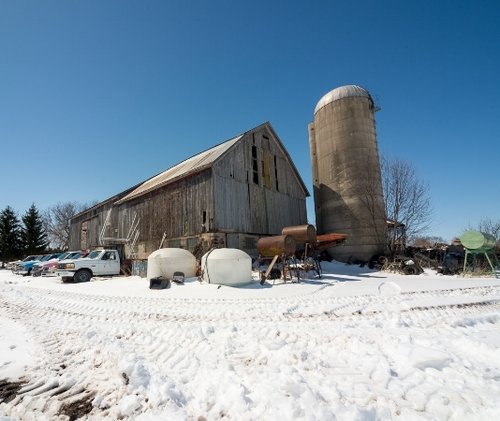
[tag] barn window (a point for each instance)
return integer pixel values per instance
(276, 173)
(266, 164)
(204, 221)
(192, 243)
(174, 243)
(255, 165)
(265, 142)
(250, 243)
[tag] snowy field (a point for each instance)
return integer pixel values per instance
(355, 345)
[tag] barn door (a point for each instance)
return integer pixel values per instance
(83, 235)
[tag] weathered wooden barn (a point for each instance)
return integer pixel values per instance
(229, 195)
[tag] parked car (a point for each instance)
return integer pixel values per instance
(49, 267)
(25, 268)
(30, 258)
(97, 263)
(13, 265)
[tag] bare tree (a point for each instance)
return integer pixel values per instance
(371, 196)
(406, 198)
(57, 222)
(489, 226)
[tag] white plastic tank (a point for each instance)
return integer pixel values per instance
(225, 266)
(164, 262)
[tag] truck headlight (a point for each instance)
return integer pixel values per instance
(69, 266)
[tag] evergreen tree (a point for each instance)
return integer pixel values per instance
(10, 236)
(33, 236)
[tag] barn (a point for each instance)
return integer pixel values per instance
(227, 196)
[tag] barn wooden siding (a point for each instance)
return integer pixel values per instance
(262, 206)
(85, 227)
(175, 210)
(251, 190)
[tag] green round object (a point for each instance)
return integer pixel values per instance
(474, 240)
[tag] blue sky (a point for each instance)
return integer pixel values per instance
(96, 96)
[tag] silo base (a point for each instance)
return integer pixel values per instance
(355, 254)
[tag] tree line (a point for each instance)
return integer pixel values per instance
(36, 232)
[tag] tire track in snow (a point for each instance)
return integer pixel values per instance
(175, 334)
(209, 309)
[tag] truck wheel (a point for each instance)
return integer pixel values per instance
(83, 275)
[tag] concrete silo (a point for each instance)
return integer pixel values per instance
(346, 173)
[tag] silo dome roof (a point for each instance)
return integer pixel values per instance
(339, 93)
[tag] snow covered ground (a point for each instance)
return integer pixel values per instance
(355, 345)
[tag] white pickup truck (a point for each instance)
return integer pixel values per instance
(97, 263)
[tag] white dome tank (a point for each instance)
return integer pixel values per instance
(164, 262)
(230, 267)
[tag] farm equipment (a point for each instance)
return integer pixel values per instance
(397, 264)
(295, 253)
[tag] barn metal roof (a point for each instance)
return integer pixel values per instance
(339, 93)
(191, 165)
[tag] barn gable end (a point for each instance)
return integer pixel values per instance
(258, 185)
